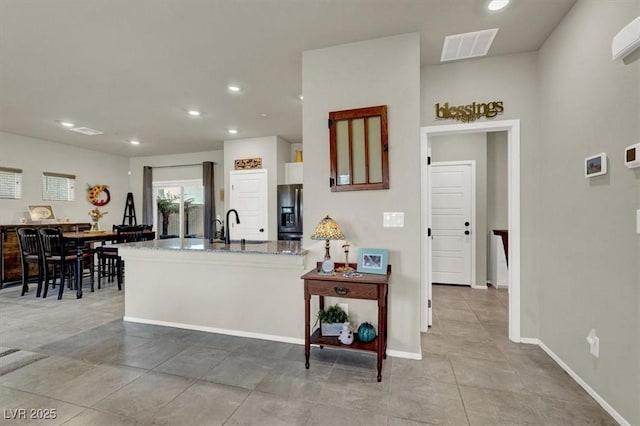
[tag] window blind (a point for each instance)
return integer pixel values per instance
(58, 187)
(10, 183)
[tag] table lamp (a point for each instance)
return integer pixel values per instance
(327, 229)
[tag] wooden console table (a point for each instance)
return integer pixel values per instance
(369, 287)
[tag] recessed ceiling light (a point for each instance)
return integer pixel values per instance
(495, 5)
(232, 131)
(233, 88)
(300, 97)
(264, 114)
(134, 142)
(67, 124)
(194, 113)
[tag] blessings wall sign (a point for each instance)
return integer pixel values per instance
(471, 112)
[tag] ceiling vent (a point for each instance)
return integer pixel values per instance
(86, 131)
(468, 45)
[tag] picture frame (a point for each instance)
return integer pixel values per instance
(41, 212)
(595, 165)
(373, 261)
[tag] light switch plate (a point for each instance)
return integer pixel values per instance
(393, 219)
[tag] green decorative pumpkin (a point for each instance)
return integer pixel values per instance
(366, 332)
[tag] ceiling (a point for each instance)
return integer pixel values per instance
(131, 69)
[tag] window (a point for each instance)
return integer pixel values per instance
(179, 209)
(358, 149)
(58, 187)
(10, 183)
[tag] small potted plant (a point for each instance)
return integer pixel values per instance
(331, 320)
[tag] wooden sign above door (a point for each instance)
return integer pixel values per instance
(248, 163)
(471, 112)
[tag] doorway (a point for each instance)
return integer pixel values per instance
(453, 219)
(512, 127)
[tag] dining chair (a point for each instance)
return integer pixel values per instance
(60, 260)
(147, 235)
(31, 253)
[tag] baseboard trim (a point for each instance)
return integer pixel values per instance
(239, 333)
(408, 355)
(600, 400)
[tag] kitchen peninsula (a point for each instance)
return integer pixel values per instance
(250, 289)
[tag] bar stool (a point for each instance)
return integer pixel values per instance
(31, 253)
(110, 263)
(58, 258)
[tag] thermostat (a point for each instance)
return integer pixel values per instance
(632, 156)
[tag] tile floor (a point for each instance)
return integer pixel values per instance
(102, 371)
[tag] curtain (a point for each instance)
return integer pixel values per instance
(209, 204)
(147, 195)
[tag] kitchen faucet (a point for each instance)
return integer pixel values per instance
(227, 237)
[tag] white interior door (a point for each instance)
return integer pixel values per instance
(249, 196)
(451, 210)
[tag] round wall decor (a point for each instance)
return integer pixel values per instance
(98, 195)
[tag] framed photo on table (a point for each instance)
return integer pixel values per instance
(373, 261)
(39, 213)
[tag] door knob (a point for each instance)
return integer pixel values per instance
(261, 229)
(466, 232)
(467, 224)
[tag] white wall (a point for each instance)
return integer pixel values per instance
(375, 72)
(497, 196)
(589, 253)
(283, 151)
(274, 152)
(497, 179)
(35, 156)
(472, 146)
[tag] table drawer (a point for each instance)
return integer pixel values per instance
(343, 289)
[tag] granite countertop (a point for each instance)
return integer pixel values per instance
(198, 244)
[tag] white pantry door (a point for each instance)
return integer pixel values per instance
(451, 210)
(249, 197)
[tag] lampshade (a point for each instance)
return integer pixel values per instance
(327, 229)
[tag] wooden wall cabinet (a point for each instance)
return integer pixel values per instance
(358, 149)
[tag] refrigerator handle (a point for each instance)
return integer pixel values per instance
(296, 205)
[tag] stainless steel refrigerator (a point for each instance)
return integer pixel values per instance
(290, 212)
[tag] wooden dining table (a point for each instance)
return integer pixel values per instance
(79, 239)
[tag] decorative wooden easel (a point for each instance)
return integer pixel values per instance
(129, 211)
